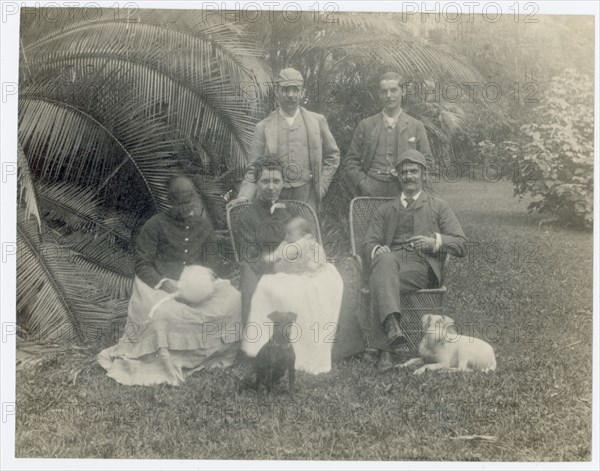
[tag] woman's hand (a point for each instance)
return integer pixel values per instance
(168, 287)
(236, 202)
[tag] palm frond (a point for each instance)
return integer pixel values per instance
(54, 131)
(46, 308)
(208, 115)
(198, 70)
(413, 57)
(56, 301)
(384, 41)
(78, 208)
(188, 41)
(107, 266)
(27, 192)
(73, 205)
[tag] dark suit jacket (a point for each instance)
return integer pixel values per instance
(431, 215)
(322, 149)
(411, 135)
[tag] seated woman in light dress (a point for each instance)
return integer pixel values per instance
(173, 331)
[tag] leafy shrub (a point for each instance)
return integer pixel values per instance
(554, 156)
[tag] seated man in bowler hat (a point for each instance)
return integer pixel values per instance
(406, 244)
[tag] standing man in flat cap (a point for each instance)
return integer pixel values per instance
(380, 139)
(406, 244)
(300, 140)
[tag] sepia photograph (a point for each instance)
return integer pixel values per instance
(307, 234)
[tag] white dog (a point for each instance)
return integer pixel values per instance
(442, 348)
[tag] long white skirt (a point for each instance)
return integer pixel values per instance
(316, 298)
(178, 340)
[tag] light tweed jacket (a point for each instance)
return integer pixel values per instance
(323, 152)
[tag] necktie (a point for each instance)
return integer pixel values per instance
(389, 122)
(409, 202)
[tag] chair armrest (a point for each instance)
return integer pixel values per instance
(359, 261)
(440, 290)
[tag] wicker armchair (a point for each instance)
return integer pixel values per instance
(297, 208)
(414, 303)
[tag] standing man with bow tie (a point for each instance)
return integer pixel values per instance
(300, 140)
(262, 228)
(380, 139)
(406, 244)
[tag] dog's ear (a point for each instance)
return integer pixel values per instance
(449, 325)
(290, 317)
(275, 316)
(425, 321)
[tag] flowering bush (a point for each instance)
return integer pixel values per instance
(554, 156)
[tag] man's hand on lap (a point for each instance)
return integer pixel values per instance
(423, 243)
(382, 249)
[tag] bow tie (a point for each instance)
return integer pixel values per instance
(274, 206)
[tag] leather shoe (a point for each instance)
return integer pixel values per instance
(385, 361)
(394, 333)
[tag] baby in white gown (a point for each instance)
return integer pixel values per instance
(299, 253)
(306, 284)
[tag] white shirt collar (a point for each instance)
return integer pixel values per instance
(415, 198)
(391, 120)
(290, 119)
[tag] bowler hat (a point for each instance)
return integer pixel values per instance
(411, 155)
(288, 77)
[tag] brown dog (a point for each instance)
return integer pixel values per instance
(442, 348)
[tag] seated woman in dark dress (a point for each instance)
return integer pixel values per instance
(315, 296)
(167, 338)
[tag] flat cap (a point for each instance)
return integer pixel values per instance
(288, 77)
(411, 155)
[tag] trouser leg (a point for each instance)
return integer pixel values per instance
(385, 285)
(395, 272)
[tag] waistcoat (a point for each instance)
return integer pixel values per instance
(292, 152)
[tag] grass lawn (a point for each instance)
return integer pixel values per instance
(526, 290)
